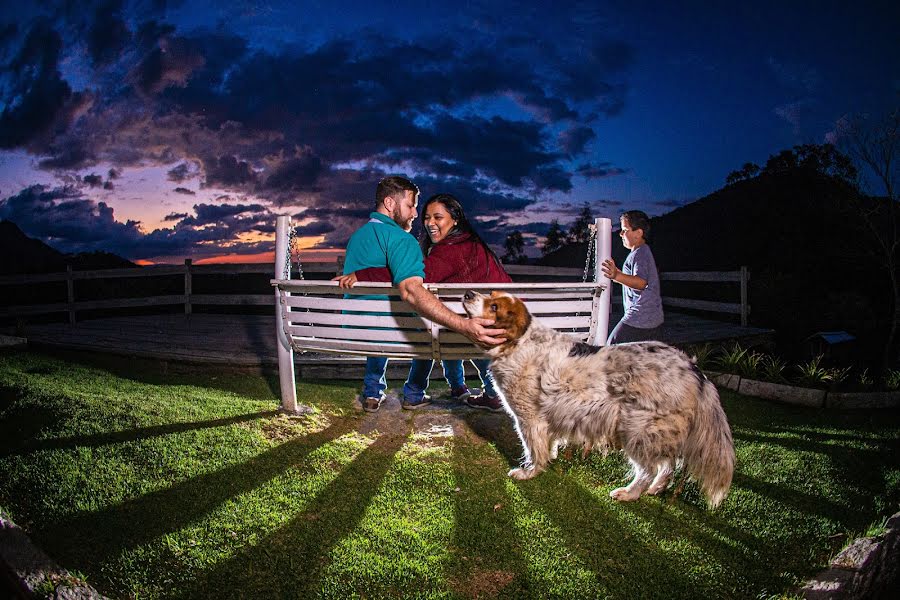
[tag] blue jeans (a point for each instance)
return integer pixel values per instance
(419, 371)
(624, 333)
(375, 381)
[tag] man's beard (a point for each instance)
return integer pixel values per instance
(398, 219)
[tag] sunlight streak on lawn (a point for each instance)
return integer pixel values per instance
(402, 541)
(547, 574)
(238, 523)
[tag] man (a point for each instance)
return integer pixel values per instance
(385, 241)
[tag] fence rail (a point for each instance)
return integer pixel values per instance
(189, 299)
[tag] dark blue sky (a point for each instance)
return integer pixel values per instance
(161, 130)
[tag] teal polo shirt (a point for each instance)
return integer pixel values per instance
(383, 243)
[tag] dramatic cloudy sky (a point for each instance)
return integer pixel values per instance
(162, 130)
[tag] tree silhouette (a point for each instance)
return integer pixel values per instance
(748, 171)
(515, 249)
(876, 144)
(556, 238)
(581, 232)
(824, 159)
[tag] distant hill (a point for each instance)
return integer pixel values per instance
(811, 261)
(22, 254)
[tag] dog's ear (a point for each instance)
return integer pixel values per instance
(509, 313)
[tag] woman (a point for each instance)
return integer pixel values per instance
(454, 253)
(640, 283)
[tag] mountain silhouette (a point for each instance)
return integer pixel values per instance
(22, 254)
(813, 263)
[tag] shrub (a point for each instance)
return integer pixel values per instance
(729, 360)
(892, 379)
(813, 373)
(839, 375)
(865, 380)
(702, 354)
(772, 369)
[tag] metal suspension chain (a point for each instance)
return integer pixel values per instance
(292, 236)
(591, 257)
(288, 252)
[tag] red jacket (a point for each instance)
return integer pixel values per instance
(455, 259)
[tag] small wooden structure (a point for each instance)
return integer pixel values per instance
(320, 316)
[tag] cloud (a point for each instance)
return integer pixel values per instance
(171, 63)
(674, 202)
(93, 180)
(185, 191)
(36, 100)
(69, 221)
(309, 126)
(573, 140)
(795, 75)
(228, 171)
(108, 35)
(795, 113)
(299, 172)
(599, 171)
(179, 173)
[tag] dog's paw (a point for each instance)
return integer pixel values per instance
(657, 488)
(522, 474)
(623, 494)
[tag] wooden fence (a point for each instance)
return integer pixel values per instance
(189, 299)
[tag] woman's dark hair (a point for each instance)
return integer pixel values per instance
(463, 226)
(637, 219)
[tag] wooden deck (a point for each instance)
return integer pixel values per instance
(249, 341)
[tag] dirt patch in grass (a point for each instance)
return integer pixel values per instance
(284, 427)
(481, 583)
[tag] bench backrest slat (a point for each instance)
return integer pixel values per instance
(318, 317)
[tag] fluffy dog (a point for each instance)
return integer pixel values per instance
(646, 398)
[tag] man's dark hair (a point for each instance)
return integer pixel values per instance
(394, 185)
(637, 219)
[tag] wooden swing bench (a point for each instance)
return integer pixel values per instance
(315, 316)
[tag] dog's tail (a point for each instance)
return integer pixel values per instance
(709, 450)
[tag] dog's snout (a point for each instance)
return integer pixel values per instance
(469, 295)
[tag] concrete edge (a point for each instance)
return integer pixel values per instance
(868, 568)
(12, 341)
(802, 396)
(33, 572)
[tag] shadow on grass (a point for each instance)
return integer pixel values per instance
(289, 563)
(262, 338)
(621, 563)
(800, 501)
(20, 422)
(626, 564)
(254, 382)
(672, 520)
(842, 459)
(29, 444)
(485, 550)
(89, 538)
(497, 429)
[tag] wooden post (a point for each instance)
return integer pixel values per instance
(745, 305)
(285, 351)
(70, 294)
(602, 251)
(187, 286)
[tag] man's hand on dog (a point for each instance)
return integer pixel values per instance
(477, 330)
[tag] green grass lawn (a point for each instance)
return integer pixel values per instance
(190, 485)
